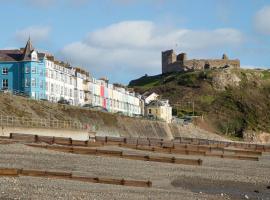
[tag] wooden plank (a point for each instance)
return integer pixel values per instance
(71, 176)
(79, 142)
(46, 139)
(9, 172)
(62, 141)
(23, 137)
(58, 174)
(81, 150)
(29, 172)
(233, 157)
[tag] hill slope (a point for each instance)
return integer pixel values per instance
(105, 124)
(232, 101)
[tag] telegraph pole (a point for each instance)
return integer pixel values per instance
(193, 107)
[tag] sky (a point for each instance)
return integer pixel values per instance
(123, 39)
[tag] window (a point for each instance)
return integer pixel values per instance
(70, 92)
(5, 71)
(5, 83)
(57, 89)
(52, 74)
(27, 69)
(33, 69)
(65, 91)
(27, 82)
(41, 84)
(150, 111)
(33, 82)
(52, 89)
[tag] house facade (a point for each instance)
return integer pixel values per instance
(40, 76)
(157, 108)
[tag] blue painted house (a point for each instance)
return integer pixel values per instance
(40, 76)
(23, 70)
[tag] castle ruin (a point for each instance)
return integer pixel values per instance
(180, 63)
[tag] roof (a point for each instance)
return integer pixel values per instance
(148, 94)
(10, 55)
(23, 54)
(157, 103)
(28, 50)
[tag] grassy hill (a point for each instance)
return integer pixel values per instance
(232, 101)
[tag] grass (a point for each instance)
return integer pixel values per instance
(207, 99)
(231, 111)
(266, 74)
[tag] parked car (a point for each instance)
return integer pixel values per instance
(63, 101)
(138, 116)
(100, 108)
(150, 116)
(187, 120)
(87, 106)
(120, 113)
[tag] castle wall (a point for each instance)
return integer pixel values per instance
(182, 64)
(209, 64)
(173, 67)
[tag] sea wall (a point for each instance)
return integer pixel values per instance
(122, 127)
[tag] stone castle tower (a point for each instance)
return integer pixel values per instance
(179, 63)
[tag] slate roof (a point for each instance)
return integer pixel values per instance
(156, 103)
(23, 54)
(27, 51)
(11, 55)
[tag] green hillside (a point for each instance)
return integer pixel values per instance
(231, 101)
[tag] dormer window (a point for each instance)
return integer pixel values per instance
(34, 56)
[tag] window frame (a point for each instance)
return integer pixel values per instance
(27, 82)
(6, 71)
(6, 83)
(33, 80)
(27, 69)
(33, 69)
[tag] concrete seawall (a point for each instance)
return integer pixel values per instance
(120, 126)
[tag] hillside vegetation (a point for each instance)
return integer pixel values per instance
(104, 123)
(232, 101)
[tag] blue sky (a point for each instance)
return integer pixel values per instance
(123, 39)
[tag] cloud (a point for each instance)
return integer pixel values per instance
(132, 48)
(37, 33)
(262, 20)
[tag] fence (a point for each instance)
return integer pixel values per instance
(11, 121)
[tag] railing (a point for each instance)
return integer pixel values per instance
(12, 121)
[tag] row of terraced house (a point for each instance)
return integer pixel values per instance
(40, 76)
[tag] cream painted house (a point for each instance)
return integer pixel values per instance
(159, 109)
